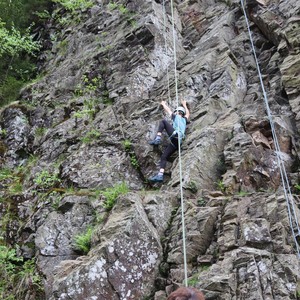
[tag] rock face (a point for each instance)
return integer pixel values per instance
(124, 266)
(81, 131)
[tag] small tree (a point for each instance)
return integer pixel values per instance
(17, 46)
(13, 43)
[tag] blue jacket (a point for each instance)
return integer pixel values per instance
(179, 125)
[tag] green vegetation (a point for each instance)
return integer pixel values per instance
(127, 145)
(112, 5)
(13, 42)
(45, 180)
(120, 7)
(16, 188)
(55, 198)
(17, 46)
(22, 13)
(15, 69)
(12, 180)
(93, 84)
(6, 174)
(88, 86)
(204, 268)
(111, 195)
(201, 202)
(91, 136)
(43, 15)
(31, 160)
(3, 132)
(7, 218)
(297, 187)
(17, 276)
(82, 242)
(105, 98)
(94, 92)
(124, 11)
(192, 186)
(40, 131)
(192, 281)
(63, 47)
(134, 161)
(99, 218)
(221, 186)
(242, 193)
(89, 109)
(73, 5)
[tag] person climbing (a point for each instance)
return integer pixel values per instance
(176, 132)
(186, 293)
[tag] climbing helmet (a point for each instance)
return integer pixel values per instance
(180, 109)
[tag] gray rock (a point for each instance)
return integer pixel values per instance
(125, 262)
(106, 72)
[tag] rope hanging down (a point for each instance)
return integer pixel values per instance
(179, 150)
(165, 39)
(284, 178)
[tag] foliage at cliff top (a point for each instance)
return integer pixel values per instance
(21, 13)
(72, 5)
(18, 47)
(12, 42)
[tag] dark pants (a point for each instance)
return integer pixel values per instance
(172, 147)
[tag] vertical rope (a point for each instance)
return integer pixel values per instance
(166, 48)
(179, 151)
(284, 178)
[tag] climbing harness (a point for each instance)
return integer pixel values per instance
(179, 150)
(284, 178)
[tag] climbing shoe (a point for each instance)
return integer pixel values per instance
(155, 142)
(157, 178)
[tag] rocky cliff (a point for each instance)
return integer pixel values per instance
(75, 157)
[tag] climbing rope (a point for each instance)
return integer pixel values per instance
(284, 178)
(179, 150)
(166, 48)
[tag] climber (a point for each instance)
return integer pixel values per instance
(185, 293)
(180, 118)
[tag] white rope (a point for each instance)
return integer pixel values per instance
(284, 178)
(166, 48)
(179, 152)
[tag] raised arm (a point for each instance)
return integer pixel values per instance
(166, 107)
(187, 112)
